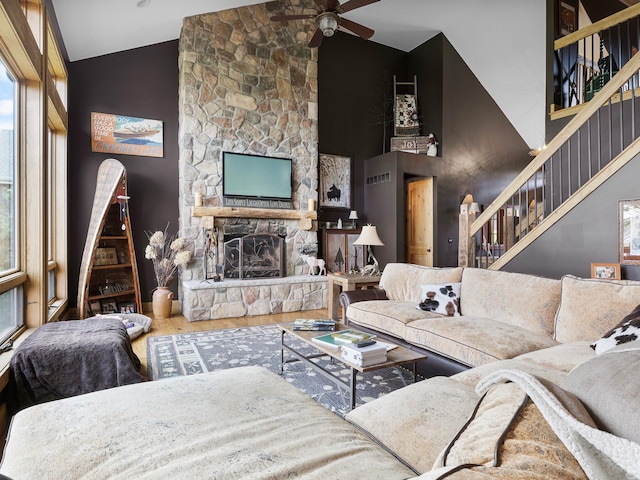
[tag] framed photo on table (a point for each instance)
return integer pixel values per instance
(335, 181)
(606, 271)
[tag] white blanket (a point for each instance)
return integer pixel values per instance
(600, 454)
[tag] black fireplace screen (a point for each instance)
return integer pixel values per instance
(254, 256)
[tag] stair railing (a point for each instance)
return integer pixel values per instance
(601, 132)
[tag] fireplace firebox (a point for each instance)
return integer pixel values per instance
(254, 256)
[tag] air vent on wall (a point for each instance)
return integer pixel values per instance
(380, 178)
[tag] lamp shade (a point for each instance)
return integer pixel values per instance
(368, 236)
(474, 208)
(353, 215)
(328, 23)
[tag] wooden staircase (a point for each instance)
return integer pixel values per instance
(600, 139)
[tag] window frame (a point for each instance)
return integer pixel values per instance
(28, 48)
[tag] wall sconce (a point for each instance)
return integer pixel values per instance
(328, 23)
(468, 211)
(468, 205)
(353, 216)
(369, 237)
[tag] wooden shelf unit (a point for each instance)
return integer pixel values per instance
(112, 283)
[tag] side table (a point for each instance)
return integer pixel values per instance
(344, 283)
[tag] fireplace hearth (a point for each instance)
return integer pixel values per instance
(254, 256)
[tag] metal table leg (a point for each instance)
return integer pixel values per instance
(282, 352)
(352, 396)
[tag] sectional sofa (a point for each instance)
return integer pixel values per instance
(498, 315)
(564, 410)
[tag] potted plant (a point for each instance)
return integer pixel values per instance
(168, 253)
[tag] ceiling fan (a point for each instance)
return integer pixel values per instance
(328, 19)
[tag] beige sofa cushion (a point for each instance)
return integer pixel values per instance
(402, 281)
(517, 299)
(552, 364)
(387, 316)
(474, 340)
(590, 307)
(608, 386)
(416, 422)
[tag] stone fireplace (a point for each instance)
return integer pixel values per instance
(247, 85)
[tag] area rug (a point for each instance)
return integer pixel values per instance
(193, 353)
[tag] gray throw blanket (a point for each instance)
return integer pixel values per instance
(64, 359)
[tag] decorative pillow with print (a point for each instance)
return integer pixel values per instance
(628, 330)
(443, 298)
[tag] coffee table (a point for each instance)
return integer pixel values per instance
(397, 356)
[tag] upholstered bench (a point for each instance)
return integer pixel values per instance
(70, 358)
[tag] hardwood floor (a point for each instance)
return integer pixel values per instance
(178, 324)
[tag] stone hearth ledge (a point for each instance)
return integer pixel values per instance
(209, 300)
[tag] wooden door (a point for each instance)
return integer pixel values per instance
(420, 222)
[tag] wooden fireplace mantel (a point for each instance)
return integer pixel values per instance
(305, 217)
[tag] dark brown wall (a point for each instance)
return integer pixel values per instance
(140, 83)
(355, 83)
(588, 233)
(480, 152)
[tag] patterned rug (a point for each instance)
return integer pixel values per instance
(192, 353)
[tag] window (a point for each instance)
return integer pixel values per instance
(33, 130)
(11, 296)
(8, 193)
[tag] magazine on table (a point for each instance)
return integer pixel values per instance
(335, 340)
(314, 324)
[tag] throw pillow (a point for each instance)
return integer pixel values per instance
(442, 298)
(590, 307)
(135, 323)
(628, 330)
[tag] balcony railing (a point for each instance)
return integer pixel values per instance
(584, 61)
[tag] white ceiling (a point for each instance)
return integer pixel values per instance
(502, 41)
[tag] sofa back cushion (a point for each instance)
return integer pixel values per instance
(608, 386)
(590, 307)
(518, 299)
(403, 281)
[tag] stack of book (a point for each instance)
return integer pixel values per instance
(352, 336)
(364, 356)
(314, 324)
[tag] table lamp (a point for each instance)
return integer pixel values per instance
(369, 236)
(353, 216)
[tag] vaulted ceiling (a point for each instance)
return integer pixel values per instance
(502, 41)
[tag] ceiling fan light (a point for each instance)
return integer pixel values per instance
(328, 24)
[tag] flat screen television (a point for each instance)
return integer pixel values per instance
(256, 177)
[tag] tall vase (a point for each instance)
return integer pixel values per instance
(161, 302)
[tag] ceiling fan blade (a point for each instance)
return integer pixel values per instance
(286, 18)
(360, 30)
(353, 4)
(316, 40)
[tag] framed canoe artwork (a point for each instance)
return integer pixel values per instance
(122, 135)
